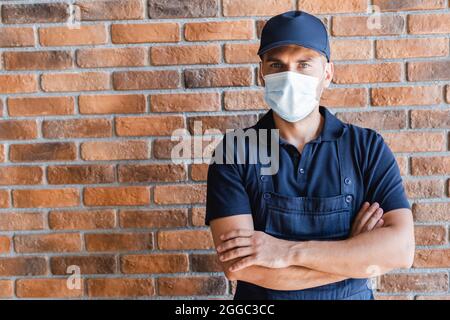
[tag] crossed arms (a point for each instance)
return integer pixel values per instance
(378, 244)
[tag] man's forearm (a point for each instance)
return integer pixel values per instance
(366, 255)
(290, 278)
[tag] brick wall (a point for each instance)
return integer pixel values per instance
(87, 109)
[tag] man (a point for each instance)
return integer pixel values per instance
(335, 213)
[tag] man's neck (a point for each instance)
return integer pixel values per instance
(301, 132)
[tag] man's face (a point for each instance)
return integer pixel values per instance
(298, 59)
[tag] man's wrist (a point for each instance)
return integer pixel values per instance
(296, 252)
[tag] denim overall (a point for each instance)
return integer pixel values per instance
(309, 218)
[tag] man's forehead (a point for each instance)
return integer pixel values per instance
(294, 51)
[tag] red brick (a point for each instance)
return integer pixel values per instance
(151, 173)
(40, 106)
(13, 221)
(35, 13)
(5, 244)
(198, 216)
(81, 219)
(432, 211)
(199, 172)
(345, 50)
(432, 258)
(118, 241)
(192, 286)
(222, 123)
(45, 198)
(185, 240)
(415, 141)
(22, 266)
(424, 188)
(359, 26)
(80, 174)
(143, 33)
(179, 194)
(205, 263)
(429, 70)
(117, 57)
(20, 175)
(174, 55)
(55, 242)
(430, 119)
(430, 235)
(67, 36)
(219, 30)
(18, 83)
(111, 10)
(146, 80)
(114, 150)
(367, 73)
(17, 37)
(429, 23)
(116, 196)
(80, 81)
(404, 96)
(437, 282)
(185, 102)
(153, 218)
(6, 288)
(91, 264)
(4, 199)
(325, 6)
(77, 128)
(48, 151)
(108, 104)
(385, 120)
(18, 129)
(218, 77)
(412, 48)
(245, 100)
(407, 5)
(154, 263)
(47, 288)
(422, 166)
(344, 97)
(241, 53)
(38, 60)
(113, 287)
(148, 125)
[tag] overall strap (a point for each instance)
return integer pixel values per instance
(346, 170)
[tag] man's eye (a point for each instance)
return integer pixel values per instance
(276, 65)
(304, 65)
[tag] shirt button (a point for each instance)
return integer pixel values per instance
(348, 198)
(347, 181)
(263, 178)
(266, 196)
(302, 170)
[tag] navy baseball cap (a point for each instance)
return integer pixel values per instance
(295, 27)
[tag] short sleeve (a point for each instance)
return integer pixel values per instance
(226, 192)
(382, 176)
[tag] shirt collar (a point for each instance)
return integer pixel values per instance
(333, 128)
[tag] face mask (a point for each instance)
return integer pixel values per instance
(292, 95)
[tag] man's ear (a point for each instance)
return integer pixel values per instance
(329, 74)
(260, 75)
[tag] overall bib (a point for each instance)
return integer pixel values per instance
(309, 218)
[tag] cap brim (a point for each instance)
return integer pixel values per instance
(273, 45)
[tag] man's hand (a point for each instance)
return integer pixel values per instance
(368, 218)
(260, 248)
(255, 248)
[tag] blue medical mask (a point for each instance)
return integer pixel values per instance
(292, 95)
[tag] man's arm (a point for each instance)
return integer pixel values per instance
(289, 278)
(371, 253)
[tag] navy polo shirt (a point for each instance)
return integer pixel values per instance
(232, 189)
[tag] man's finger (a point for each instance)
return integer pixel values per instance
(373, 220)
(233, 243)
(236, 253)
(359, 215)
(366, 216)
(237, 233)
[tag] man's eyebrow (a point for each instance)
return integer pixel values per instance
(278, 60)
